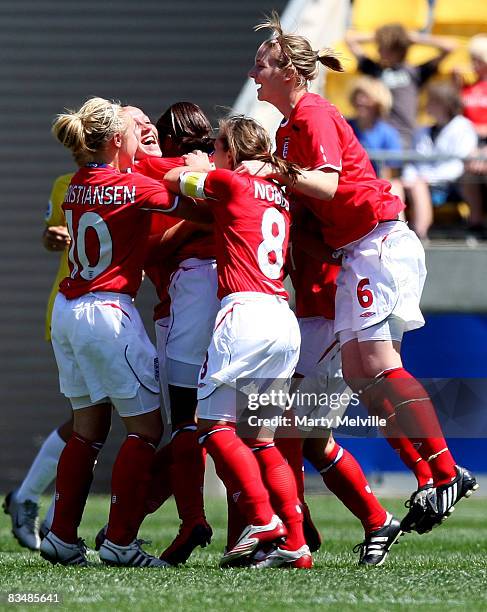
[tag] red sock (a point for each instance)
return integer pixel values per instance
(130, 481)
(416, 416)
(188, 473)
(237, 467)
(292, 451)
(404, 448)
(279, 481)
(160, 488)
(74, 476)
(345, 478)
(236, 522)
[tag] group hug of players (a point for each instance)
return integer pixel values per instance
(216, 231)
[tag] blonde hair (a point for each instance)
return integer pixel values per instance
(375, 90)
(88, 129)
(295, 53)
(246, 139)
(477, 47)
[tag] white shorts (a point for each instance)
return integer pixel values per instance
(322, 394)
(382, 275)
(143, 401)
(391, 328)
(161, 328)
(256, 340)
(194, 305)
(103, 351)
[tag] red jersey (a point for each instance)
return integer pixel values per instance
(251, 232)
(106, 217)
(159, 270)
(316, 136)
(474, 98)
(314, 282)
(157, 167)
(200, 244)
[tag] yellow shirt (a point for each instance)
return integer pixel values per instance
(55, 216)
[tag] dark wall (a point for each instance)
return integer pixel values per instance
(54, 54)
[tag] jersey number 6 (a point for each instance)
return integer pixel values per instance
(365, 296)
(77, 252)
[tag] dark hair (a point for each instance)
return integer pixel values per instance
(393, 37)
(447, 96)
(187, 126)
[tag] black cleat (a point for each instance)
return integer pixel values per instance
(188, 538)
(311, 533)
(463, 485)
(422, 506)
(374, 549)
(440, 504)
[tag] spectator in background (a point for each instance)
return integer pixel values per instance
(372, 102)
(432, 183)
(474, 96)
(474, 99)
(402, 79)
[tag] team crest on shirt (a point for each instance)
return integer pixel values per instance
(285, 147)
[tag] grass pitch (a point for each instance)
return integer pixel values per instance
(446, 569)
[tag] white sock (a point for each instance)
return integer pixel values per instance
(43, 469)
(50, 513)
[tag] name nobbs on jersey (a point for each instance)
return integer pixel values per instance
(270, 193)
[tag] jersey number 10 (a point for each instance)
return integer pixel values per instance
(77, 252)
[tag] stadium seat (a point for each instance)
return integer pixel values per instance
(338, 85)
(451, 213)
(460, 18)
(368, 15)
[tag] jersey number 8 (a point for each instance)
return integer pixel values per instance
(270, 254)
(77, 252)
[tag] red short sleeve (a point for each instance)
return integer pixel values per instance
(218, 184)
(152, 195)
(157, 167)
(319, 135)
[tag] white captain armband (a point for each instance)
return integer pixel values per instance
(192, 184)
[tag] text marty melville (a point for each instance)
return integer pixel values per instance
(307, 421)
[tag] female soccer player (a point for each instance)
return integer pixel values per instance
(383, 272)
(255, 337)
(102, 351)
(183, 337)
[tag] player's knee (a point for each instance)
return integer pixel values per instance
(353, 376)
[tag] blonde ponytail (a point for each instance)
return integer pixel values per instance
(329, 59)
(88, 129)
(295, 53)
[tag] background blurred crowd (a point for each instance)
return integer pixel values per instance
(417, 101)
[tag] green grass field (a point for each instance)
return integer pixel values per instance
(446, 569)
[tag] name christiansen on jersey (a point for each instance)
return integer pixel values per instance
(88, 195)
